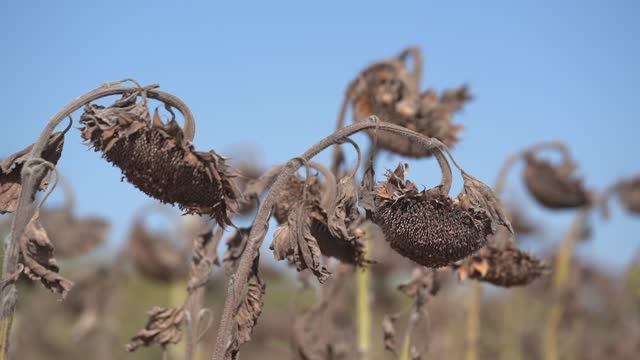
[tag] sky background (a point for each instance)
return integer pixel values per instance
(267, 78)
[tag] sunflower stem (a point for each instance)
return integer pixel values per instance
(562, 272)
(363, 307)
(473, 321)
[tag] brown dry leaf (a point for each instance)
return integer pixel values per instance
(389, 333)
(164, 327)
(294, 241)
(235, 248)
(478, 195)
(11, 166)
(201, 261)
(157, 159)
(36, 252)
(247, 314)
(343, 212)
(366, 195)
(423, 282)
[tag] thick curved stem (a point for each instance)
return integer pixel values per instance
(512, 159)
(416, 73)
(258, 230)
(337, 157)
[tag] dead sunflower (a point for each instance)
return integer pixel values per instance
(156, 255)
(427, 226)
(391, 91)
(72, 235)
(554, 187)
(629, 195)
(502, 265)
(158, 158)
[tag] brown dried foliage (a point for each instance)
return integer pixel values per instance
(427, 226)
(11, 166)
(73, 236)
(164, 327)
(158, 160)
(554, 187)
(36, 254)
(247, 313)
(389, 90)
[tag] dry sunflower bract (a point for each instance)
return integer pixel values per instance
(427, 226)
(158, 159)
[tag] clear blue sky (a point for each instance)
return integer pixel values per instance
(274, 73)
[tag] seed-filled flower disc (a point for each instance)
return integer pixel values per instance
(554, 187)
(427, 226)
(389, 90)
(158, 159)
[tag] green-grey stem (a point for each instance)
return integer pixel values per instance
(238, 281)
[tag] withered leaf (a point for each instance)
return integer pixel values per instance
(294, 241)
(366, 195)
(235, 248)
(249, 310)
(36, 252)
(423, 283)
(201, 261)
(480, 196)
(343, 212)
(11, 166)
(389, 333)
(164, 327)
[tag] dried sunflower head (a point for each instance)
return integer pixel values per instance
(390, 90)
(159, 158)
(554, 187)
(629, 195)
(502, 265)
(292, 194)
(155, 255)
(427, 226)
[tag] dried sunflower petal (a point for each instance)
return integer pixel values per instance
(158, 160)
(164, 327)
(554, 186)
(11, 166)
(427, 226)
(36, 253)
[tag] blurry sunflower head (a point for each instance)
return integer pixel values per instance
(427, 226)
(389, 90)
(629, 194)
(158, 159)
(554, 186)
(155, 255)
(501, 265)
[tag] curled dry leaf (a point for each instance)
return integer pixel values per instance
(247, 314)
(292, 194)
(343, 212)
(36, 253)
(201, 261)
(389, 333)
(295, 242)
(235, 248)
(11, 166)
(554, 187)
(504, 266)
(423, 283)
(164, 327)
(158, 159)
(479, 196)
(427, 226)
(155, 255)
(389, 90)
